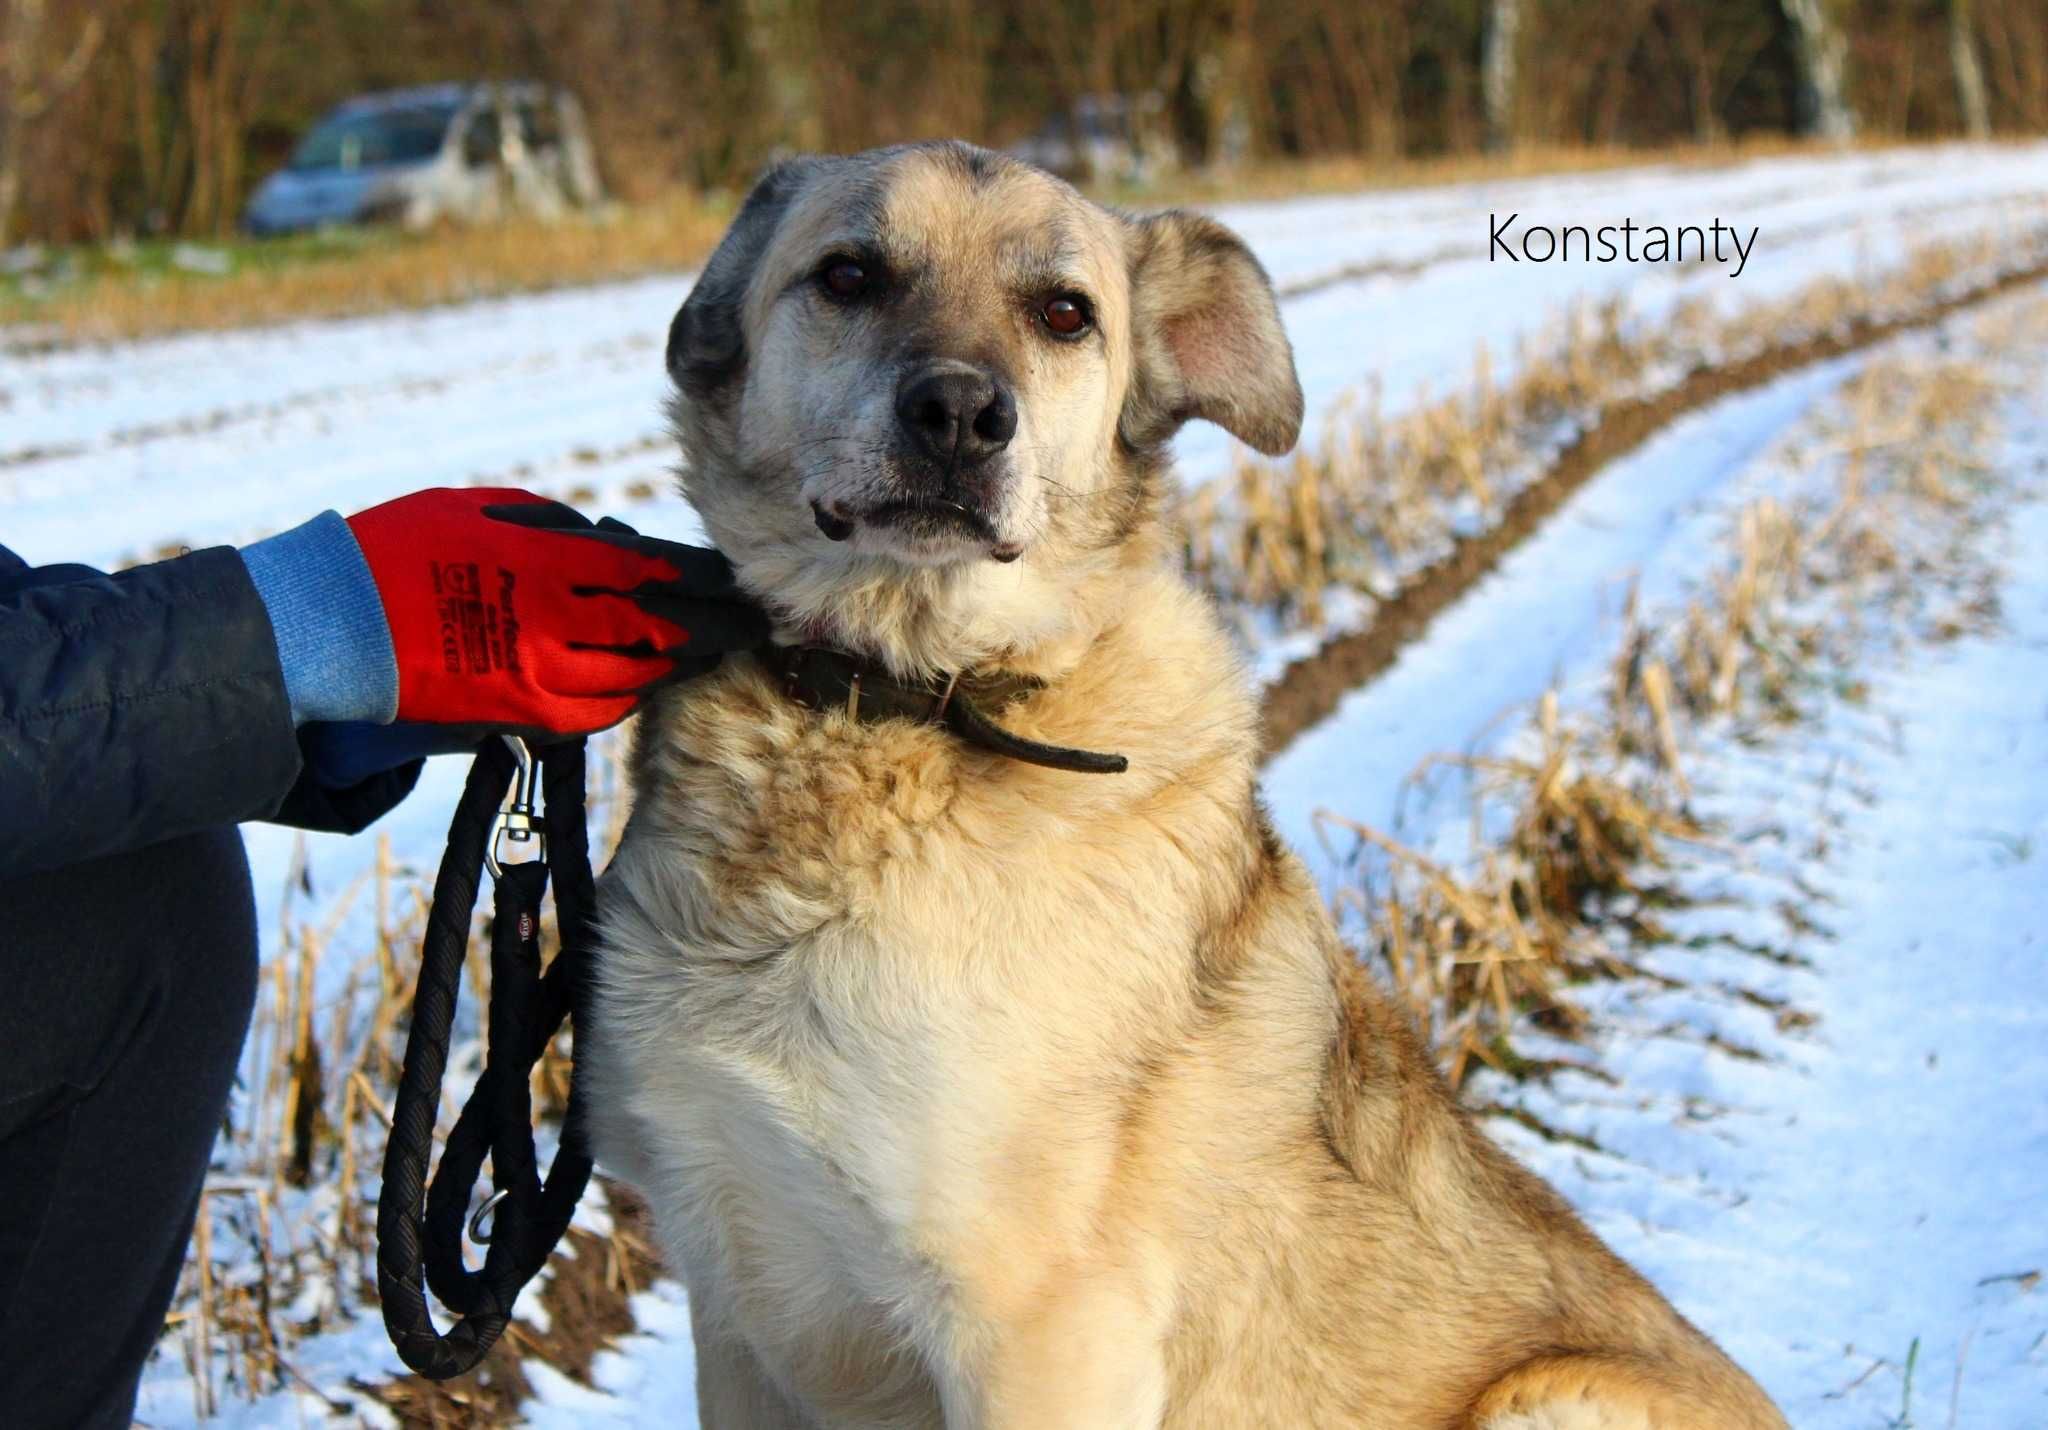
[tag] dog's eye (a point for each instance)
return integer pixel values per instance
(1067, 315)
(844, 278)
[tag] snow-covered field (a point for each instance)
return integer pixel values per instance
(1818, 1210)
(1824, 1137)
(1866, 1194)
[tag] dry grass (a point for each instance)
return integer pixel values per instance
(1574, 826)
(447, 265)
(1379, 497)
(1286, 178)
(1473, 948)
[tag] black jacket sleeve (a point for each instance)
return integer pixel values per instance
(145, 705)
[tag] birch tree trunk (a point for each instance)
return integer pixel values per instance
(1824, 64)
(1497, 70)
(1962, 53)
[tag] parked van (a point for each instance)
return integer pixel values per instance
(418, 156)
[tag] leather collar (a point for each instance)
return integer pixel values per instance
(824, 679)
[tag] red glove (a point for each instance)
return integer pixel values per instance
(510, 611)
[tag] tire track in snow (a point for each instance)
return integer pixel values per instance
(1309, 689)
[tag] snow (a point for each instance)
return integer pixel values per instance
(649, 1378)
(1652, 518)
(1874, 1184)
(332, 1362)
(1844, 1192)
(1841, 1191)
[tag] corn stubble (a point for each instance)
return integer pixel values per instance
(1380, 496)
(1577, 826)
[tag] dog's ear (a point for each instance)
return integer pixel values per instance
(1206, 339)
(706, 343)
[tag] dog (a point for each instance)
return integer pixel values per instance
(970, 1091)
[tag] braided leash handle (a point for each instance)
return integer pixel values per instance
(420, 1229)
(534, 1217)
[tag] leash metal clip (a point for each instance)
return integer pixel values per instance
(519, 820)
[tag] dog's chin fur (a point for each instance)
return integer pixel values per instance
(972, 1093)
(919, 620)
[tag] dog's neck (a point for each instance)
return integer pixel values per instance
(967, 703)
(924, 624)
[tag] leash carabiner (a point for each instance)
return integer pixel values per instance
(518, 820)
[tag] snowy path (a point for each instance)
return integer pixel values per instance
(1817, 1198)
(1877, 1180)
(1653, 517)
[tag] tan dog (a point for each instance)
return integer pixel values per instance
(975, 1093)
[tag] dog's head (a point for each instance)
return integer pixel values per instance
(924, 393)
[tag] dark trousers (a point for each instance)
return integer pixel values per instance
(126, 986)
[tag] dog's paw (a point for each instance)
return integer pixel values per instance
(1569, 1415)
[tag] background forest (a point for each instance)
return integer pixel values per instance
(145, 117)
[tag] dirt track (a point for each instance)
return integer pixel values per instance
(1309, 689)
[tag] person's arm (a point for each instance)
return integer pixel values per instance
(136, 707)
(341, 679)
(191, 693)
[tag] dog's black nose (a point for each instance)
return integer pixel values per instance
(959, 414)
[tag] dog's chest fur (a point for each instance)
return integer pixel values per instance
(860, 999)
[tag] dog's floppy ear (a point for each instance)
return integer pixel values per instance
(1206, 339)
(706, 342)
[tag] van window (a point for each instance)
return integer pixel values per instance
(364, 140)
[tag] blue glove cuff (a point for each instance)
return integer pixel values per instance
(332, 638)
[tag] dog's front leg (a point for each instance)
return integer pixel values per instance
(733, 1388)
(1090, 1356)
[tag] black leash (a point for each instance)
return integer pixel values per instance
(419, 1230)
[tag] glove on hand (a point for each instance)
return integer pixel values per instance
(509, 611)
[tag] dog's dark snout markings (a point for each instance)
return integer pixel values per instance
(835, 527)
(958, 414)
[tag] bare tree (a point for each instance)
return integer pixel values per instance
(1823, 49)
(30, 82)
(1962, 54)
(2016, 42)
(1498, 52)
(1713, 46)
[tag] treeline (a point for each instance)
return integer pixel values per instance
(155, 116)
